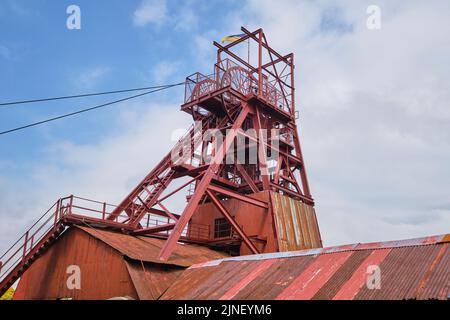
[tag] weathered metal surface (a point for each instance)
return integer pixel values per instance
(296, 222)
(263, 266)
(150, 280)
(401, 273)
(210, 283)
(111, 264)
(102, 270)
(275, 280)
(431, 286)
(146, 249)
(314, 277)
(342, 276)
(227, 277)
(255, 221)
(409, 269)
(359, 277)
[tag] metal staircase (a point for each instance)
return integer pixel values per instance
(148, 197)
(35, 241)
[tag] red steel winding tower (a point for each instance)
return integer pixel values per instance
(264, 204)
(240, 168)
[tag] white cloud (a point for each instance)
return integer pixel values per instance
(184, 17)
(187, 16)
(90, 78)
(204, 51)
(162, 71)
(18, 9)
(110, 168)
(150, 11)
(5, 52)
(105, 170)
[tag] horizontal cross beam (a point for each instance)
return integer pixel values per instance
(155, 229)
(239, 196)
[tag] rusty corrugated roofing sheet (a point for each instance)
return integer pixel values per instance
(409, 269)
(147, 249)
(296, 224)
(150, 282)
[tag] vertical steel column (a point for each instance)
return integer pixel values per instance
(292, 86)
(262, 161)
(260, 78)
(298, 149)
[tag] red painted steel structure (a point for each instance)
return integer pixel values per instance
(238, 97)
(237, 102)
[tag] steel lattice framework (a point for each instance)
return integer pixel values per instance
(243, 111)
(238, 96)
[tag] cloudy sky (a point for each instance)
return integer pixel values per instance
(374, 122)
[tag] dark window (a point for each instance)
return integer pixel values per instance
(222, 228)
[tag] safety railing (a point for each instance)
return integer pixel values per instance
(275, 97)
(87, 208)
(98, 211)
(229, 73)
(28, 241)
(198, 85)
(75, 209)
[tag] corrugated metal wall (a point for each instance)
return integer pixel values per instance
(103, 272)
(296, 224)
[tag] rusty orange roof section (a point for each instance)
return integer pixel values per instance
(146, 249)
(407, 269)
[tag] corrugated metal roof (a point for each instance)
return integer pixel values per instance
(409, 269)
(147, 249)
(151, 281)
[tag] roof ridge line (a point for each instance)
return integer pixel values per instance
(414, 242)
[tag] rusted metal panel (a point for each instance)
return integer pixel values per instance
(401, 273)
(314, 277)
(188, 282)
(231, 293)
(296, 222)
(275, 280)
(434, 269)
(317, 251)
(103, 272)
(195, 282)
(420, 271)
(400, 243)
(444, 238)
(342, 276)
(434, 288)
(225, 279)
(359, 277)
(247, 280)
(150, 280)
(147, 249)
